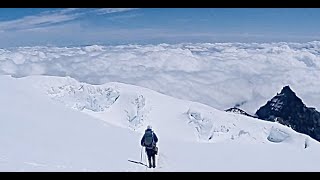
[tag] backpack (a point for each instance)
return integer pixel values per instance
(148, 139)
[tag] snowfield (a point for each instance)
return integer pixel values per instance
(60, 124)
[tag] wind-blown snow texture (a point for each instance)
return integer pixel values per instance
(43, 129)
(246, 75)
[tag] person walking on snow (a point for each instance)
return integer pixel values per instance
(149, 141)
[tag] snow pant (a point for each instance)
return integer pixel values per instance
(151, 157)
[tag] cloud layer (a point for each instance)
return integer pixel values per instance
(219, 74)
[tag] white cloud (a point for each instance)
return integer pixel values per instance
(48, 18)
(113, 10)
(121, 17)
(248, 73)
(45, 18)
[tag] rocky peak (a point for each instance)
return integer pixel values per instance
(288, 109)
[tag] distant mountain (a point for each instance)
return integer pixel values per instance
(238, 111)
(288, 109)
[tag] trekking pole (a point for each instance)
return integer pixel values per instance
(146, 161)
(141, 154)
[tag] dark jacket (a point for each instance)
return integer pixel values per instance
(155, 138)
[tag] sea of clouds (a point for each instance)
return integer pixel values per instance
(221, 75)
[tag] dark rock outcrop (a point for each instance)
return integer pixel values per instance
(238, 111)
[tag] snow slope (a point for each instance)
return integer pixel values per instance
(244, 74)
(60, 124)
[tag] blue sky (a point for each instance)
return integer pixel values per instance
(83, 26)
